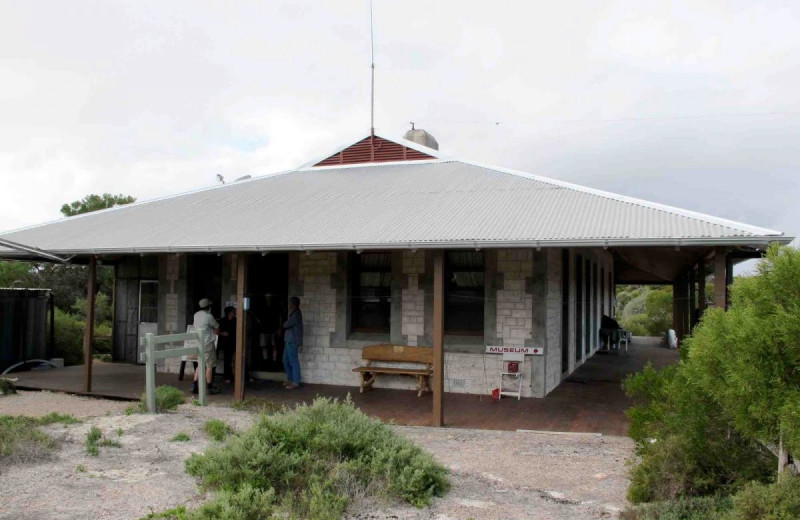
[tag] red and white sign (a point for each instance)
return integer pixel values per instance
(528, 351)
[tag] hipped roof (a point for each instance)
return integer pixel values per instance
(442, 202)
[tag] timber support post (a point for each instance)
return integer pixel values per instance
(701, 287)
(88, 332)
(238, 361)
(720, 279)
(438, 338)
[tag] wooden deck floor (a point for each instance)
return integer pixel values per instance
(591, 400)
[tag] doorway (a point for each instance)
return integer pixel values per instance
(148, 314)
(268, 290)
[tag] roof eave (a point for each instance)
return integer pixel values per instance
(754, 241)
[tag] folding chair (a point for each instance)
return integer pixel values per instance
(512, 377)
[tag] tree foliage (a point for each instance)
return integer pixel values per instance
(700, 426)
(645, 310)
(95, 202)
(68, 285)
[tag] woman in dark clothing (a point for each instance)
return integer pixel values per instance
(227, 340)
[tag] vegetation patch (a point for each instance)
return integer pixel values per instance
(756, 501)
(216, 429)
(180, 437)
(167, 399)
(310, 462)
(257, 404)
(55, 417)
(21, 441)
(7, 387)
(95, 439)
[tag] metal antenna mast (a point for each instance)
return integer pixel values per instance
(372, 79)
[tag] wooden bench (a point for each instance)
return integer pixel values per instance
(396, 354)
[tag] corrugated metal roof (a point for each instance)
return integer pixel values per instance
(438, 203)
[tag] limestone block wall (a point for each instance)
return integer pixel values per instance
(413, 298)
(514, 301)
(553, 303)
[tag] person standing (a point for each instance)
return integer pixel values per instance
(207, 327)
(227, 341)
(293, 340)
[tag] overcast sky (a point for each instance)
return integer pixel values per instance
(692, 105)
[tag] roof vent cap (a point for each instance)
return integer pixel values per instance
(420, 136)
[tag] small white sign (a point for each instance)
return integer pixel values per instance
(500, 349)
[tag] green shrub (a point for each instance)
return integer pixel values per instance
(685, 445)
(180, 437)
(757, 501)
(178, 513)
(7, 387)
(216, 429)
(697, 508)
(167, 398)
(247, 503)
(21, 441)
(316, 457)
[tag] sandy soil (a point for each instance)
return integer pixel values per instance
(495, 475)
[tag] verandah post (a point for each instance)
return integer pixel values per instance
(88, 333)
(238, 362)
(438, 338)
(150, 372)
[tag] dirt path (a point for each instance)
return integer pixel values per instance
(495, 475)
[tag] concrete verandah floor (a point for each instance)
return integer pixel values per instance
(590, 400)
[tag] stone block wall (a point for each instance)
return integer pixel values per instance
(523, 308)
(413, 298)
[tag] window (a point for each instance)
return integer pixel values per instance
(578, 307)
(148, 301)
(372, 292)
(464, 292)
(587, 311)
(564, 310)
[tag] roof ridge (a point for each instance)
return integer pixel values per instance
(681, 212)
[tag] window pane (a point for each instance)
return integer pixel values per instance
(464, 292)
(148, 302)
(372, 291)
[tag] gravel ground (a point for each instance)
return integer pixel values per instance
(495, 475)
(36, 404)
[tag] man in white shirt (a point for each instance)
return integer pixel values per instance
(208, 327)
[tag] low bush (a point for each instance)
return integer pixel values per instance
(7, 387)
(180, 437)
(696, 508)
(216, 429)
(779, 501)
(309, 462)
(167, 398)
(755, 501)
(21, 441)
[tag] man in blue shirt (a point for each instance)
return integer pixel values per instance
(292, 341)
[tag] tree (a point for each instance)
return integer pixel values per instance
(95, 202)
(700, 426)
(748, 358)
